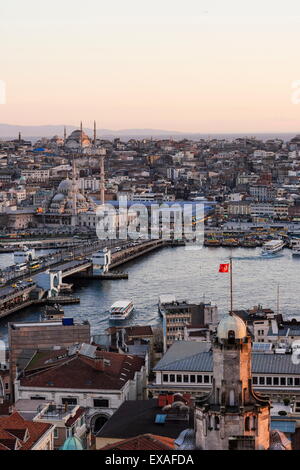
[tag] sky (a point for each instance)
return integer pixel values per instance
(192, 66)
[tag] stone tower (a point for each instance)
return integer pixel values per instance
(232, 416)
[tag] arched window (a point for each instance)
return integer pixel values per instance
(231, 398)
(254, 423)
(247, 423)
(231, 336)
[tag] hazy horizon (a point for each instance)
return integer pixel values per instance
(200, 67)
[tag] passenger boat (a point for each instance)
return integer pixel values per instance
(272, 247)
(121, 310)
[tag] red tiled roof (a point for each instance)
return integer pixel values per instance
(144, 330)
(14, 428)
(74, 418)
(143, 442)
(87, 373)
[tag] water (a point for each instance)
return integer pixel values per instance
(190, 274)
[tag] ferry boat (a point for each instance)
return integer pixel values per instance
(272, 247)
(121, 310)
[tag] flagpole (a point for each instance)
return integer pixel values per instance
(231, 287)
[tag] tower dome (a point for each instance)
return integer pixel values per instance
(72, 443)
(231, 323)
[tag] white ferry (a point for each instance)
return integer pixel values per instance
(272, 247)
(121, 310)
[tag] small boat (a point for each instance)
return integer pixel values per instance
(52, 313)
(272, 247)
(121, 310)
(296, 252)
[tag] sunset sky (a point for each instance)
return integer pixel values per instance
(193, 66)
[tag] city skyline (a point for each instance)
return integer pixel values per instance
(171, 67)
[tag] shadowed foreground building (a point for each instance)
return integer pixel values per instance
(232, 416)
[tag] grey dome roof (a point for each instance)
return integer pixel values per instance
(231, 323)
(58, 197)
(65, 186)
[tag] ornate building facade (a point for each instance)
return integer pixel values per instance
(232, 416)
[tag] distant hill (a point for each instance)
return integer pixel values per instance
(35, 132)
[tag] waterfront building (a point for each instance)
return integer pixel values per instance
(178, 314)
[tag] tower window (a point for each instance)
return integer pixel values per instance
(247, 423)
(217, 423)
(231, 398)
(231, 335)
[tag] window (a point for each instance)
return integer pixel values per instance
(199, 379)
(261, 381)
(275, 381)
(172, 378)
(55, 433)
(192, 379)
(206, 379)
(179, 378)
(69, 401)
(254, 380)
(165, 378)
(269, 380)
(290, 381)
(185, 378)
(217, 423)
(282, 380)
(37, 397)
(297, 381)
(101, 403)
(247, 423)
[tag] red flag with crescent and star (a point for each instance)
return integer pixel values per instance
(224, 268)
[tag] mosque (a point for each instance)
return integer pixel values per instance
(67, 202)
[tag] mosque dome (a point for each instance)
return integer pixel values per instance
(58, 197)
(65, 186)
(231, 323)
(72, 443)
(78, 137)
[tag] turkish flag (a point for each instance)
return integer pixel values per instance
(224, 268)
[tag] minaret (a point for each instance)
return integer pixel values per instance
(74, 194)
(232, 416)
(102, 180)
(20, 138)
(81, 134)
(95, 133)
(65, 135)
